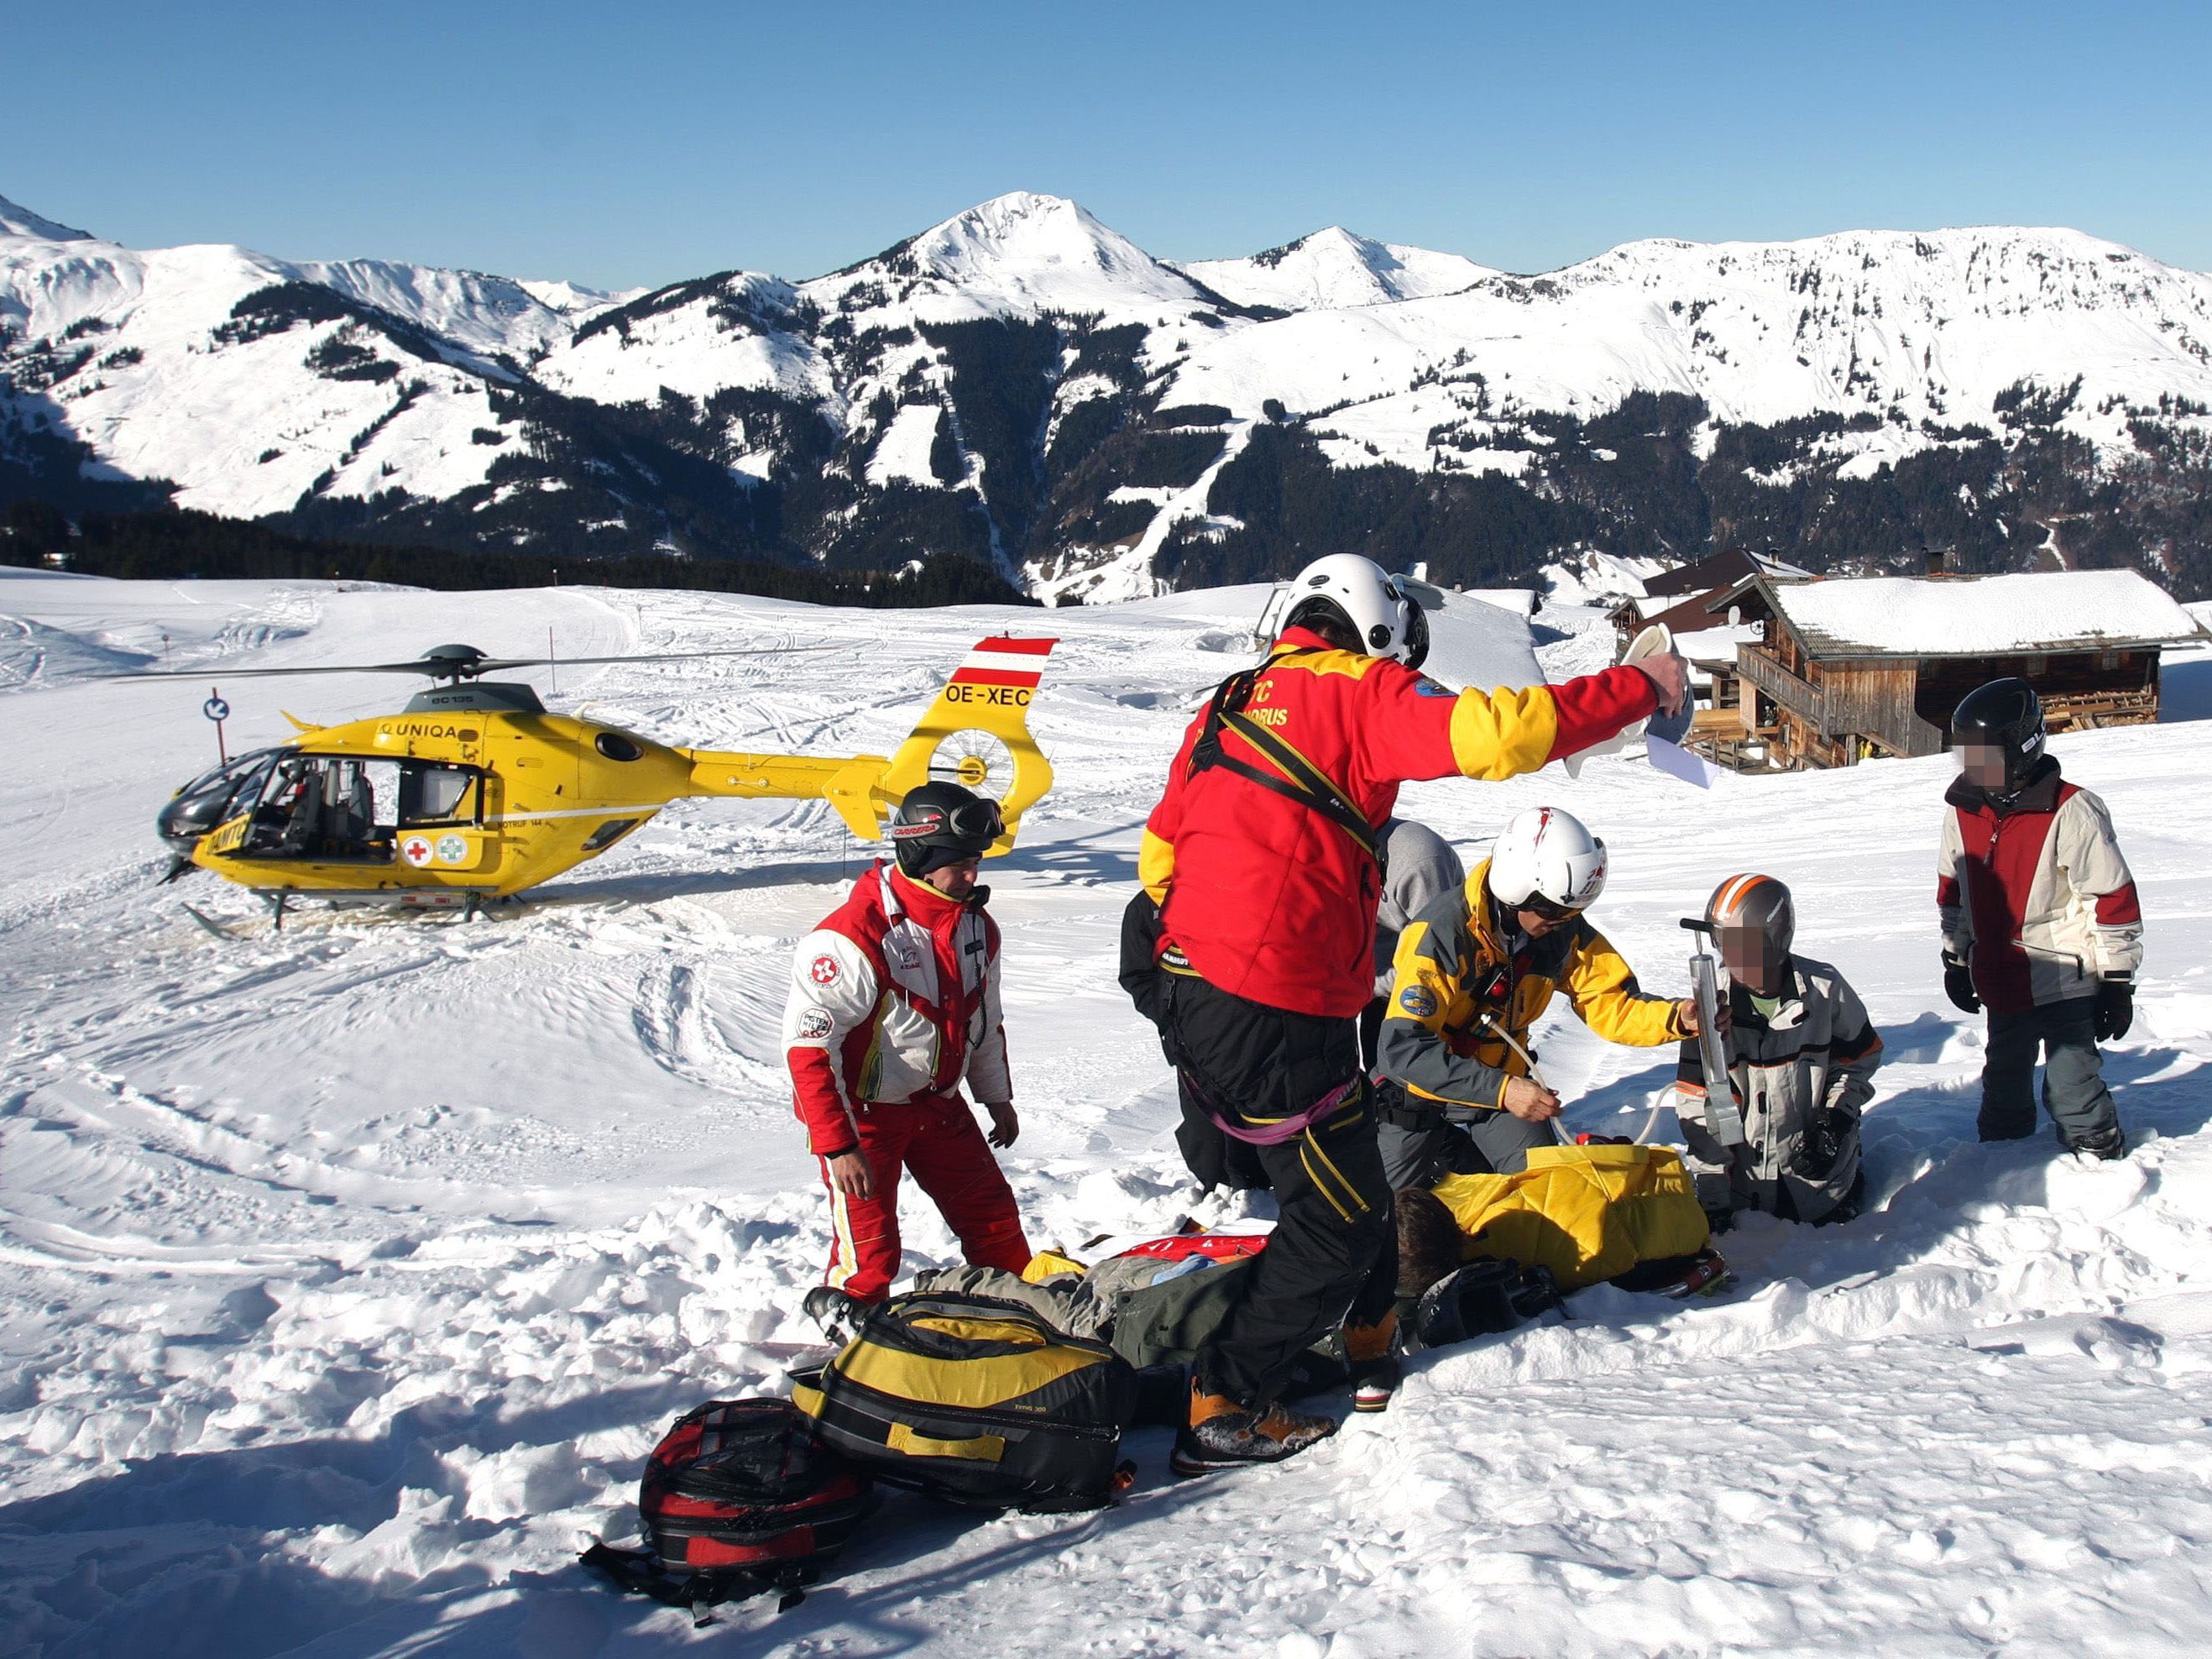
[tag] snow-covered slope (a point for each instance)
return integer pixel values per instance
(1599, 578)
(1935, 326)
(493, 315)
(1335, 267)
(348, 1274)
(21, 221)
(147, 358)
(1072, 367)
(734, 331)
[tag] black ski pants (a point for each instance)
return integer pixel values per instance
(2073, 1091)
(1334, 1251)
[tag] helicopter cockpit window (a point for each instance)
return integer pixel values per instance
(430, 793)
(215, 798)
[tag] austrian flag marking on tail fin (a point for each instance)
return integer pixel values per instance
(1005, 661)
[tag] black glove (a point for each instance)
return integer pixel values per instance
(1718, 1219)
(1822, 1144)
(1958, 985)
(2116, 1008)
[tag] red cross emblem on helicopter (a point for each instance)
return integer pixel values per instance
(416, 851)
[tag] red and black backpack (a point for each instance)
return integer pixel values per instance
(738, 1498)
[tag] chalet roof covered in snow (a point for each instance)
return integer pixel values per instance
(1975, 615)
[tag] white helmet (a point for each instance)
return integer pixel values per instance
(1547, 854)
(1378, 609)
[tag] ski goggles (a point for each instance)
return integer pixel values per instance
(1537, 904)
(979, 820)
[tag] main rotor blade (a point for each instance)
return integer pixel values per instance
(217, 671)
(660, 656)
(438, 668)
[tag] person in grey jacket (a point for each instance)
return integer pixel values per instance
(1801, 1055)
(1419, 867)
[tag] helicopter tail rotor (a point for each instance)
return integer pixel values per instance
(977, 733)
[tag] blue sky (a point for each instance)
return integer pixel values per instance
(563, 140)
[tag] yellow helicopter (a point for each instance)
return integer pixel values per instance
(475, 791)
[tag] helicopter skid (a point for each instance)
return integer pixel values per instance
(468, 900)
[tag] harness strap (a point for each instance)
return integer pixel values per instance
(1278, 1130)
(1301, 780)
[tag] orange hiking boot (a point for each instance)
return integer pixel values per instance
(1371, 1351)
(1224, 1435)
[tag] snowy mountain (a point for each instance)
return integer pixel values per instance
(1336, 268)
(348, 1273)
(21, 221)
(1022, 386)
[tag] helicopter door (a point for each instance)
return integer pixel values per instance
(329, 808)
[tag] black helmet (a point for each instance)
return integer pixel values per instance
(942, 823)
(1758, 902)
(2008, 715)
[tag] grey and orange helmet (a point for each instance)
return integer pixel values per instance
(1754, 901)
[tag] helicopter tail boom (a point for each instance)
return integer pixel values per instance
(844, 783)
(974, 732)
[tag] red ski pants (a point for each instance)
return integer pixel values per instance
(938, 1141)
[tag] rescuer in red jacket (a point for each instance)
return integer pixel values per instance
(894, 1002)
(1262, 854)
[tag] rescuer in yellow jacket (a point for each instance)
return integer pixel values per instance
(1473, 972)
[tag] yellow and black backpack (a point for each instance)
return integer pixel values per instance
(977, 1400)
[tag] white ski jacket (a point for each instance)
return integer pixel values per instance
(2034, 896)
(896, 996)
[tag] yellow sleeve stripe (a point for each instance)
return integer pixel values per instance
(1156, 865)
(1502, 733)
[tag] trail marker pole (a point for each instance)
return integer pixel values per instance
(218, 711)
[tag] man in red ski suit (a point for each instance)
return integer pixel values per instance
(894, 1001)
(1261, 856)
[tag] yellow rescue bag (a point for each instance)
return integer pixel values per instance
(1589, 1213)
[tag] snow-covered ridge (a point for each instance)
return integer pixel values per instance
(21, 221)
(1335, 267)
(1919, 330)
(1021, 252)
(1895, 343)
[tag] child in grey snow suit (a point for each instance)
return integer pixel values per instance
(2041, 923)
(1801, 1054)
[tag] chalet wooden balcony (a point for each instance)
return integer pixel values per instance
(1798, 694)
(1868, 701)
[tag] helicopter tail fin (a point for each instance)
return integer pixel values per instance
(978, 732)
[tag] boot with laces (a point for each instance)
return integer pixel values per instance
(1221, 1434)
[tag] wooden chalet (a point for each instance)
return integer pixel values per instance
(1678, 597)
(1851, 670)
